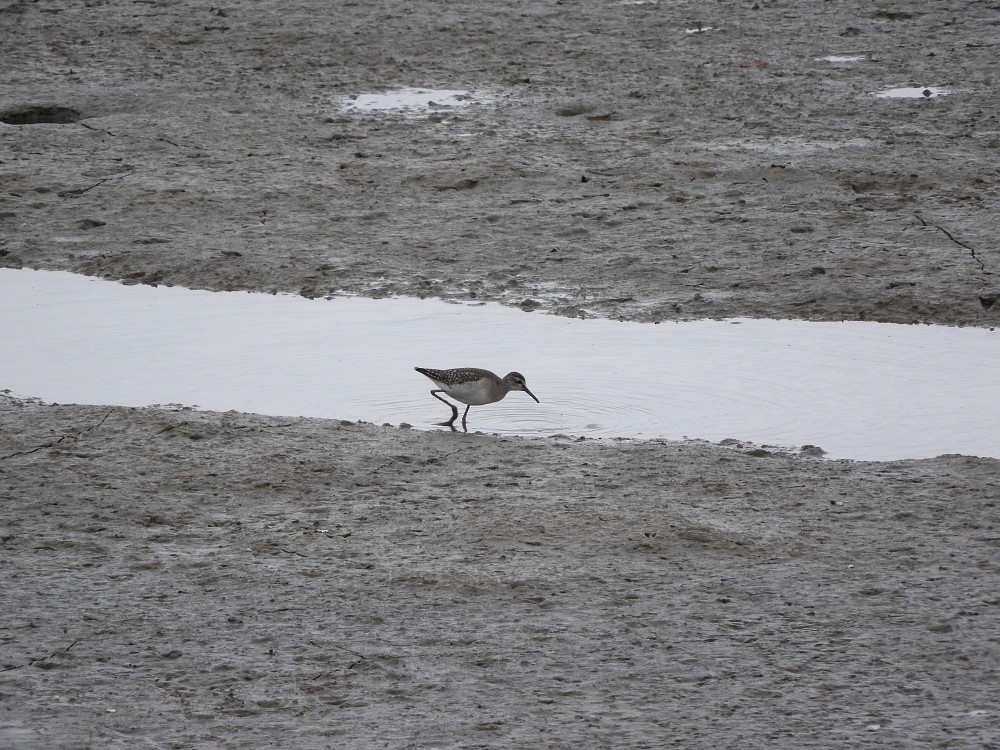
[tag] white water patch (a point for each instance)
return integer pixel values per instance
(911, 92)
(412, 101)
(858, 390)
(790, 146)
(841, 59)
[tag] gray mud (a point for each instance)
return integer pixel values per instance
(177, 579)
(626, 168)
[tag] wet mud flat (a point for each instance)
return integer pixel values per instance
(606, 160)
(179, 579)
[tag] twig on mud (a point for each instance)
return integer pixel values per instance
(98, 130)
(950, 236)
(347, 650)
(160, 139)
(43, 658)
(56, 442)
(383, 466)
(103, 420)
(36, 449)
(81, 191)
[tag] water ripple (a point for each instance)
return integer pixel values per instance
(861, 390)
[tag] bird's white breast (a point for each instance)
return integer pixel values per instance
(474, 393)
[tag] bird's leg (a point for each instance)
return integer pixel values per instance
(464, 416)
(454, 410)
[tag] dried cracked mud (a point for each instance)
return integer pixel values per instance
(175, 578)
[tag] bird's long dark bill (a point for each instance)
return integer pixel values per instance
(532, 395)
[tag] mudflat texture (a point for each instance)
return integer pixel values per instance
(625, 167)
(196, 580)
(175, 579)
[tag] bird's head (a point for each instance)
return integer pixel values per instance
(515, 382)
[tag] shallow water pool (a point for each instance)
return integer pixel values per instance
(858, 390)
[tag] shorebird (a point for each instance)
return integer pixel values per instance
(472, 386)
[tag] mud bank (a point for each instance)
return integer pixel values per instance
(181, 579)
